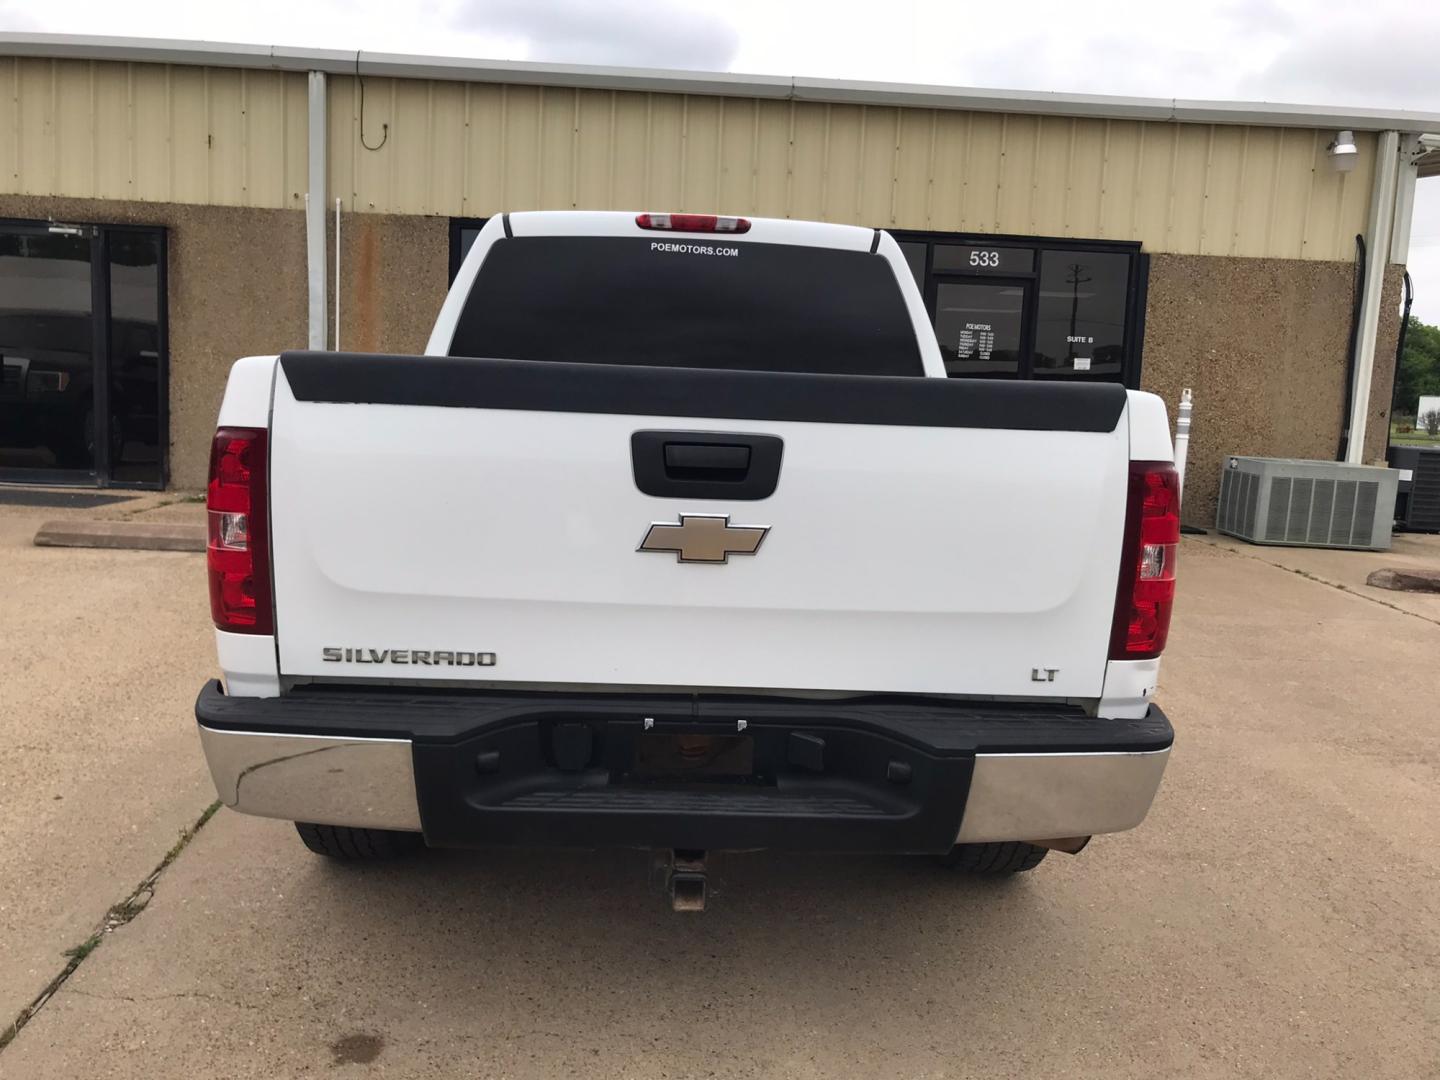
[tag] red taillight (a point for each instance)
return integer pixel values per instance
(693, 223)
(1147, 567)
(237, 553)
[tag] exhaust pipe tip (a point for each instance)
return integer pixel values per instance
(1071, 845)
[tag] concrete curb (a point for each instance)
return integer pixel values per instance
(1406, 579)
(132, 535)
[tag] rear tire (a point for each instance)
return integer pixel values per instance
(343, 842)
(994, 860)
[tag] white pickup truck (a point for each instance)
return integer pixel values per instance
(678, 537)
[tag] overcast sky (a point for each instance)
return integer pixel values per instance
(1379, 52)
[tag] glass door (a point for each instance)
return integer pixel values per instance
(47, 353)
(136, 406)
(984, 326)
(83, 396)
(1081, 326)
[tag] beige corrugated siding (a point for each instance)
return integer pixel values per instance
(152, 132)
(233, 137)
(473, 149)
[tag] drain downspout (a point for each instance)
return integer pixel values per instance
(1377, 254)
(1357, 296)
(315, 200)
(1400, 343)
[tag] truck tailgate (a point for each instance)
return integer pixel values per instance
(924, 535)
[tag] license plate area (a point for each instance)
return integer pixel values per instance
(661, 756)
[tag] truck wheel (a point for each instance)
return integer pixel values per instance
(992, 860)
(343, 842)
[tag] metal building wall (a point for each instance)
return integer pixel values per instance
(230, 137)
(473, 149)
(152, 132)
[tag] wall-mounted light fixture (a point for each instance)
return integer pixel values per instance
(1343, 152)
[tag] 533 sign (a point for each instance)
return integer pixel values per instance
(973, 258)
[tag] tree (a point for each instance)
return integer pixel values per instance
(1419, 372)
(1431, 420)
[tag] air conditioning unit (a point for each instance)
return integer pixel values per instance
(1307, 503)
(1418, 506)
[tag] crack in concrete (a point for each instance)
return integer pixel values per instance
(115, 917)
(178, 995)
(1308, 576)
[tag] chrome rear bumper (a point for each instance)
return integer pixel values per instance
(366, 783)
(1044, 796)
(370, 783)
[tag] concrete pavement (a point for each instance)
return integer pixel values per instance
(99, 770)
(1277, 915)
(1349, 570)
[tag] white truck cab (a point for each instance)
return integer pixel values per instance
(677, 536)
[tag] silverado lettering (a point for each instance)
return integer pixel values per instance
(334, 654)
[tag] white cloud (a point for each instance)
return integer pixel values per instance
(12, 18)
(621, 32)
(1369, 64)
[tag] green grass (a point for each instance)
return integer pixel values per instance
(118, 915)
(84, 949)
(1412, 438)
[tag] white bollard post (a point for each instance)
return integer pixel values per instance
(1182, 436)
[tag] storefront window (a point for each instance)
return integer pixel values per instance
(463, 232)
(1013, 307)
(47, 350)
(1080, 313)
(136, 405)
(82, 354)
(980, 326)
(915, 256)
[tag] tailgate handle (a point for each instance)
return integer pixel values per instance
(706, 464)
(706, 461)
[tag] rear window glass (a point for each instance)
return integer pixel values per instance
(683, 301)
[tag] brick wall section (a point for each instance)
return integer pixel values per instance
(394, 272)
(1263, 344)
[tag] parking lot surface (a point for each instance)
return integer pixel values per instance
(1277, 915)
(98, 770)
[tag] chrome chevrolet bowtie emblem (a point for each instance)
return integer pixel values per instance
(704, 538)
